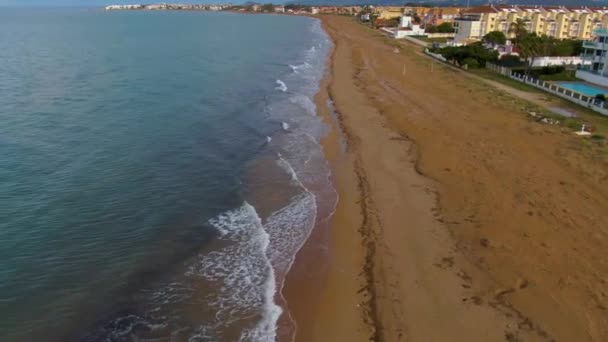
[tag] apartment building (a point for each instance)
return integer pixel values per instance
(556, 21)
(596, 54)
(438, 15)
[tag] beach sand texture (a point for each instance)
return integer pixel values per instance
(459, 218)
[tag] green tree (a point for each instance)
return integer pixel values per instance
(567, 47)
(510, 61)
(495, 38)
(430, 29)
(393, 22)
(445, 28)
(471, 63)
(267, 8)
(463, 54)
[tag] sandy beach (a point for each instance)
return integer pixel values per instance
(459, 218)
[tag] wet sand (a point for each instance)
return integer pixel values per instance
(459, 218)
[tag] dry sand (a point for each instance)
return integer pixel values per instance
(459, 218)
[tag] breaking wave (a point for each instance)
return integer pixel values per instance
(243, 274)
(297, 68)
(281, 86)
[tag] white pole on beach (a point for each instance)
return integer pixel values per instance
(403, 72)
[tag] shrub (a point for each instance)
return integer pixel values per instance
(475, 51)
(445, 28)
(495, 38)
(510, 61)
(471, 62)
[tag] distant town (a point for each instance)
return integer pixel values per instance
(260, 8)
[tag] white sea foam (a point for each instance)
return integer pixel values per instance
(289, 228)
(281, 86)
(297, 68)
(306, 103)
(243, 274)
(284, 164)
(285, 126)
(268, 139)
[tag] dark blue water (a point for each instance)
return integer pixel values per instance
(125, 138)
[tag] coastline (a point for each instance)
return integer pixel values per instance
(448, 225)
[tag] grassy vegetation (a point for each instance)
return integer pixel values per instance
(431, 40)
(488, 74)
(567, 75)
(595, 121)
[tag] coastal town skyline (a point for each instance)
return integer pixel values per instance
(443, 3)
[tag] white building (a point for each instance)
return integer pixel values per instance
(596, 53)
(407, 27)
(544, 61)
(467, 28)
(314, 10)
(123, 7)
(279, 9)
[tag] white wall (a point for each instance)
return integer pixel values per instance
(467, 29)
(439, 35)
(592, 78)
(406, 21)
(549, 60)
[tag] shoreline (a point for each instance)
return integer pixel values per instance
(431, 239)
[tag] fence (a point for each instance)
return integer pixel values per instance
(499, 69)
(435, 55)
(553, 88)
(439, 35)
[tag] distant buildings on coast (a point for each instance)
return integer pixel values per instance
(191, 7)
(261, 8)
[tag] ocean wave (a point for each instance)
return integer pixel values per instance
(281, 86)
(285, 126)
(289, 228)
(243, 274)
(246, 269)
(295, 68)
(286, 166)
(306, 103)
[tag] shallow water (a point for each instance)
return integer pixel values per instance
(135, 149)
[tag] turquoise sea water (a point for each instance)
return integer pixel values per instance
(583, 88)
(136, 149)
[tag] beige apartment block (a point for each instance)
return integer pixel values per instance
(556, 21)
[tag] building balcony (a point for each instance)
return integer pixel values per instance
(589, 44)
(600, 32)
(593, 58)
(467, 19)
(591, 76)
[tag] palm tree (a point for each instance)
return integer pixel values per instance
(530, 46)
(518, 28)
